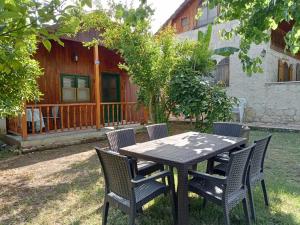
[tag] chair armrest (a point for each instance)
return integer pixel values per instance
(103, 149)
(219, 180)
(154, 177)
(220, 160)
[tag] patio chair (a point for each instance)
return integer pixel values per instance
(126, 137)
(228, 129)
(54, 114)
(157, 131)
(256, 171)
(225, 191)
(224, 129)
(240, 108)
(129, 193)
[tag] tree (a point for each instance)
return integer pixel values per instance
(256, 19)
(191, 91)
(154, 62)
(148, 59)
(23, 24)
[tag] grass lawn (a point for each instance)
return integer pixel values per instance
(64, 186)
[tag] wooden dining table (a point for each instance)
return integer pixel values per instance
(182, 151)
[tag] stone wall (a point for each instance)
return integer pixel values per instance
(268, 101)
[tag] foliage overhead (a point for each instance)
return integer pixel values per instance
(256, 19)
(23, 24)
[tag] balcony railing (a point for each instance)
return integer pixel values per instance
(54, 118)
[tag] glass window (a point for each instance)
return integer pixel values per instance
(83, 94)
(69, 81)
(82, 82)
(69, 94)
(185, 23)
(75, 88)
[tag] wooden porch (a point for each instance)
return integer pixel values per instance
(44, 119)
(83, 90)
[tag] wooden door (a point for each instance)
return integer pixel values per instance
(111, 93)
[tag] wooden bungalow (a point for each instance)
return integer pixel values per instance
(83, 88)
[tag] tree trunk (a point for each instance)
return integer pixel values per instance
(153, 109)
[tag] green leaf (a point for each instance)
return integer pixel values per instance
(226, 51)
(47, 44)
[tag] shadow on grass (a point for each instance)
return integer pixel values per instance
(43, 156)
(75, 194)
(27, 159)
(25, 202)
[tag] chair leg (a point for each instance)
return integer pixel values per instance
(251, 201)
(263, 185)
(210, 166)
(204, 203)
(246, 211)
(105, 213)
(132, 216)
(194, 167)
(161, 170)
(226, 216)
(140, 210)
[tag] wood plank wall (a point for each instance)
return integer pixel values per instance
(59, 60)
(190, 11)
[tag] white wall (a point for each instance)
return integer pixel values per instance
(272, 103)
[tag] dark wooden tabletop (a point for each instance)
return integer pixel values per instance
(187, 148)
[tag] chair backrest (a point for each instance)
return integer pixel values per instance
(120, 138)
(117, 173)
(259, 153)
(242, 102)
(237, 169)
(157, 131)
(228, 129)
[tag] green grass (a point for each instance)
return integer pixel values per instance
(74, 194)
(5, 153)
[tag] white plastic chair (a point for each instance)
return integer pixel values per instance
(240, 108)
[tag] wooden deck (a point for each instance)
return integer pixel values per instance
(45, 119)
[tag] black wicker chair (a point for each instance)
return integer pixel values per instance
(129, 193)
(256, 171)
(225, 191)
(157, 131)
(228, 129)
(126, 137)
(224, 129)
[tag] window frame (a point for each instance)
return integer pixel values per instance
(76, 77)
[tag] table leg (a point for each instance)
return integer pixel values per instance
(182, 197)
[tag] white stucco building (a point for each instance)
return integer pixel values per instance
(273, 97)
(268, 101)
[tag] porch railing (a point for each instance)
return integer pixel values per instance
(54, 118)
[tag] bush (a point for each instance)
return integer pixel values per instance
(195, 97)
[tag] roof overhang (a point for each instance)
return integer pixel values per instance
(175, 14)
